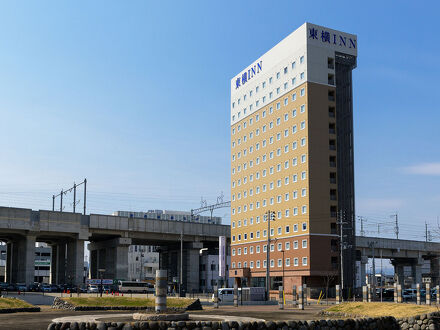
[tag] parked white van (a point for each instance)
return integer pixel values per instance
(226, 294)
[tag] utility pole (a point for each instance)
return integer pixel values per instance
(85, 189)
(65, 192)
(426, 232)
(373, 279)
(74, 197)
(341, 243)
(362, 225)
(270, 215)
(396, 226)
(181, 263)
(61, 204)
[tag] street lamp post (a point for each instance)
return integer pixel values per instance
(101, 271)
(212, 275)
(270, 215)
(282, 251)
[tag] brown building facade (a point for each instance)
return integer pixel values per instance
(286, 158)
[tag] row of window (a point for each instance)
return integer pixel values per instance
(293, 114)
(272, 248)
(278, 76)
(278, 151)
(264, 173)
(272, 263)
(270, 95)
(271, 184)
(279, 198)
(272, 232)
(279, 213)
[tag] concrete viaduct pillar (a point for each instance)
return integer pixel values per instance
(416, 270)
(191, 258)
(58, 264)
(364, 262)
(67, 263)
(20, 260)
(75, 262)
(111, 255)
(400, 274)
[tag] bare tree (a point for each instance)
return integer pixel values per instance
(329, 279)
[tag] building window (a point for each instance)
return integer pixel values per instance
(287, 246)
(304, 226)
(301, 76)
(304, 261)
(295, 261)
(287, 262)
(304, 243)
(303, 108)
(301, 59)
(295, 245)
(304, 210)
(302, 92)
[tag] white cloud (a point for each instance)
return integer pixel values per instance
(423, 169)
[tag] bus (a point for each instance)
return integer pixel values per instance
(133, 287)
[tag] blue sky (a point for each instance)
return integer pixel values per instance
(135, 97)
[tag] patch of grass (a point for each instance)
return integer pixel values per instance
(13, 303)
(378, 309)
(126, 302)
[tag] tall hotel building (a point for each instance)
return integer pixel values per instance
(292, 153)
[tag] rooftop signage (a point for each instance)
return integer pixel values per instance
(249, 74)
(331, 38)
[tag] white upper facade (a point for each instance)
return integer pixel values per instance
(300, 57)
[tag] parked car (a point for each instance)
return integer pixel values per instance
(11, 287)
(409, 294)
(4, 286)
(92, 289)
(34, 287)
(21, 287)
(226, 294)
(46, 288)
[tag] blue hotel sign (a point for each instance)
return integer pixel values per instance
(331, 38)
(249, 74)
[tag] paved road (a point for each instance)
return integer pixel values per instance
(41, 320)
(38, 321)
